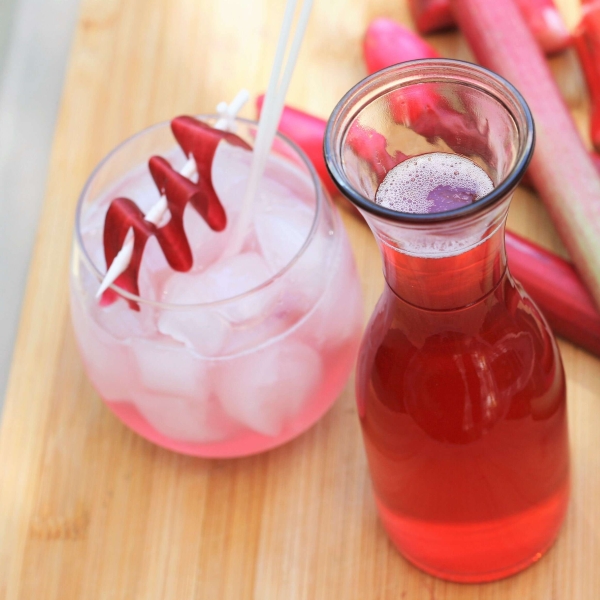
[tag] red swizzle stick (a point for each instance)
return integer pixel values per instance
(587, 43)
(200, 141)
(542, 17)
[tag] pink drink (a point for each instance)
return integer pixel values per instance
(463, 410)
(244, 352)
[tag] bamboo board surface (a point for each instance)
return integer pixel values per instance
(90, 510)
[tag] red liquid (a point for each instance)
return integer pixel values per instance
(463, 415)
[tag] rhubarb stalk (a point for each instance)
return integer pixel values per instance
(386, 43)
(431, 15)
(307, 131)
(562, 170)
(554, 286)
(546, 23)
(526, 181)
(587, 43)
(541, 16)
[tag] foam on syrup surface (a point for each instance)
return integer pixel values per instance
(433, 183)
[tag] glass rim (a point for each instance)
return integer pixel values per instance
(319, 199)
(416, 72)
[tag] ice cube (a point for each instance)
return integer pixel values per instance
(230, 172)
(237, 275)
(265, 389)
(338, 314)
(108, 361)
(206, 328)
(282, 226)
(175, 393)
(137, 185)
(202, 330)
(291, 175)
(198, 420)
(109, 368)
(206, 245)
(225, 279)
(169, 369)
(121, 322)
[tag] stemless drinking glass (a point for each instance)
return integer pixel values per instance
(460, 386)
(241, 353)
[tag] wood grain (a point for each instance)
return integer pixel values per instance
(90, 510)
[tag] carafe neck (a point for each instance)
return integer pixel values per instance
(444, 266)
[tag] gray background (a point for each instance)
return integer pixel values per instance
(35, 38)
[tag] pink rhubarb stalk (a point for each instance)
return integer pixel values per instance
(587, 43)
(431, 15)
(386, 43)
(541, 16)
(554, 286)
(307, 131)
(551, 281)
(526, 181)
(546, 23)
(562, 170)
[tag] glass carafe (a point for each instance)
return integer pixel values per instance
(460, 385)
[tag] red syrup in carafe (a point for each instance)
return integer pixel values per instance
(461, 392)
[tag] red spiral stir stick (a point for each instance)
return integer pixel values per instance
(196, 139)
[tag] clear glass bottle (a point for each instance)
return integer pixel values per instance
(460, 385)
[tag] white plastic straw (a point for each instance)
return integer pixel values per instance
(270, 115)
(155, 215)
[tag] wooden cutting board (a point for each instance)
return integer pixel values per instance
(88, 509)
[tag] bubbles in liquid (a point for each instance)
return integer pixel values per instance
(433, 183)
